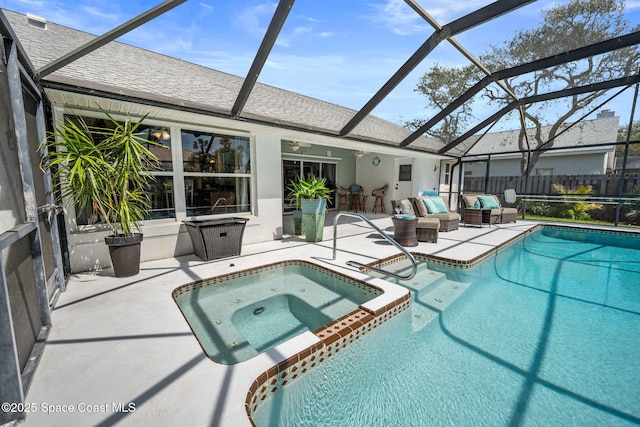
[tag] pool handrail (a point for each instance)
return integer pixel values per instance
(386, 236)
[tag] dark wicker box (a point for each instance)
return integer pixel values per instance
(216, 238)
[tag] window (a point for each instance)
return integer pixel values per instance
(405, 173)
(160, 186)
(216, 169)
(544, 171)
(447, 173)
(161, 191)
(217, 173)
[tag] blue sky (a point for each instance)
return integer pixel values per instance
(340, 51)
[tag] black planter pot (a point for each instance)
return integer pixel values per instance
(125, 254)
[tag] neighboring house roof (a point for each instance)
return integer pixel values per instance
(118, 68)
(579, 137)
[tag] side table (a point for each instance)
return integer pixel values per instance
(404, 231)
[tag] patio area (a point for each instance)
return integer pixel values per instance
(120, 351)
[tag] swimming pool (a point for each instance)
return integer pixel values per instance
(240, 315)
(546, 332)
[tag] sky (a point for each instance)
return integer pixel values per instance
(339, 51)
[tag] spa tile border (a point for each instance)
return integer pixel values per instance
(222, 280)
(334, 337)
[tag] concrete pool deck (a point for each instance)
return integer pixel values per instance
(120, 352)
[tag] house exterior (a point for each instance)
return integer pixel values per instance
(213, 164)
(580, 155)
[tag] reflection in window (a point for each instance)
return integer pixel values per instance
(160, 186)
(161, 191)
(217, 172)
(161, 196)
(215, 153)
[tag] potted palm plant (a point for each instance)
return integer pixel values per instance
(311, 193)
(106, 170)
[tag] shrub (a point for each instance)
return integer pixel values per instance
(576, 207)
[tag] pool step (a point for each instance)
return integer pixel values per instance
(426, 306)
(424, 281)
(440, 296)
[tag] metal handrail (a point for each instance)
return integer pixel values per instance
(368, 267)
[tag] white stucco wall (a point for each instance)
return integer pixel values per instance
(372, 177)
(165, 238)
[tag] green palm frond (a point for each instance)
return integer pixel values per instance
(105, 169)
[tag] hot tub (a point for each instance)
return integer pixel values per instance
(240, 315)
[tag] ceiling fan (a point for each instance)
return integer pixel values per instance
(295, 145)
(360, 153)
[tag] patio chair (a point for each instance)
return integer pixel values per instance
(426, 227)
(448, 220)
(498, 214)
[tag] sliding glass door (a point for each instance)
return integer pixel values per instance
(293, 169)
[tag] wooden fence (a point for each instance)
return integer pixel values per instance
(603, 185)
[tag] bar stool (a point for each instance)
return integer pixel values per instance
(378, 202)
(343, 197)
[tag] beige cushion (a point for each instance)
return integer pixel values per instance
(430, 223)
(419, 206)
(469, 200)
(446, 216)
(510, 211)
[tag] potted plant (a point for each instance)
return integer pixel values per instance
(311, 194)
(106, 170)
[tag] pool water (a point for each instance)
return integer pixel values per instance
(240, 315)
(546, 332)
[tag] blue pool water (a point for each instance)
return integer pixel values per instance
(545, 333)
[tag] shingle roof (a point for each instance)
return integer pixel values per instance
(120, 68)
(599, 131)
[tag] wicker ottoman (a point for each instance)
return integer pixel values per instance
(427, 229)
(404, 230)
(216, 238)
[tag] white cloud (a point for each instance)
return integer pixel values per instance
(399, 18)
(256, 19)
(101, 13)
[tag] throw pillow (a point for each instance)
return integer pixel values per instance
(431, 208)
(488, 202)
(439, 204)
(405, 206)
(419, 206)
